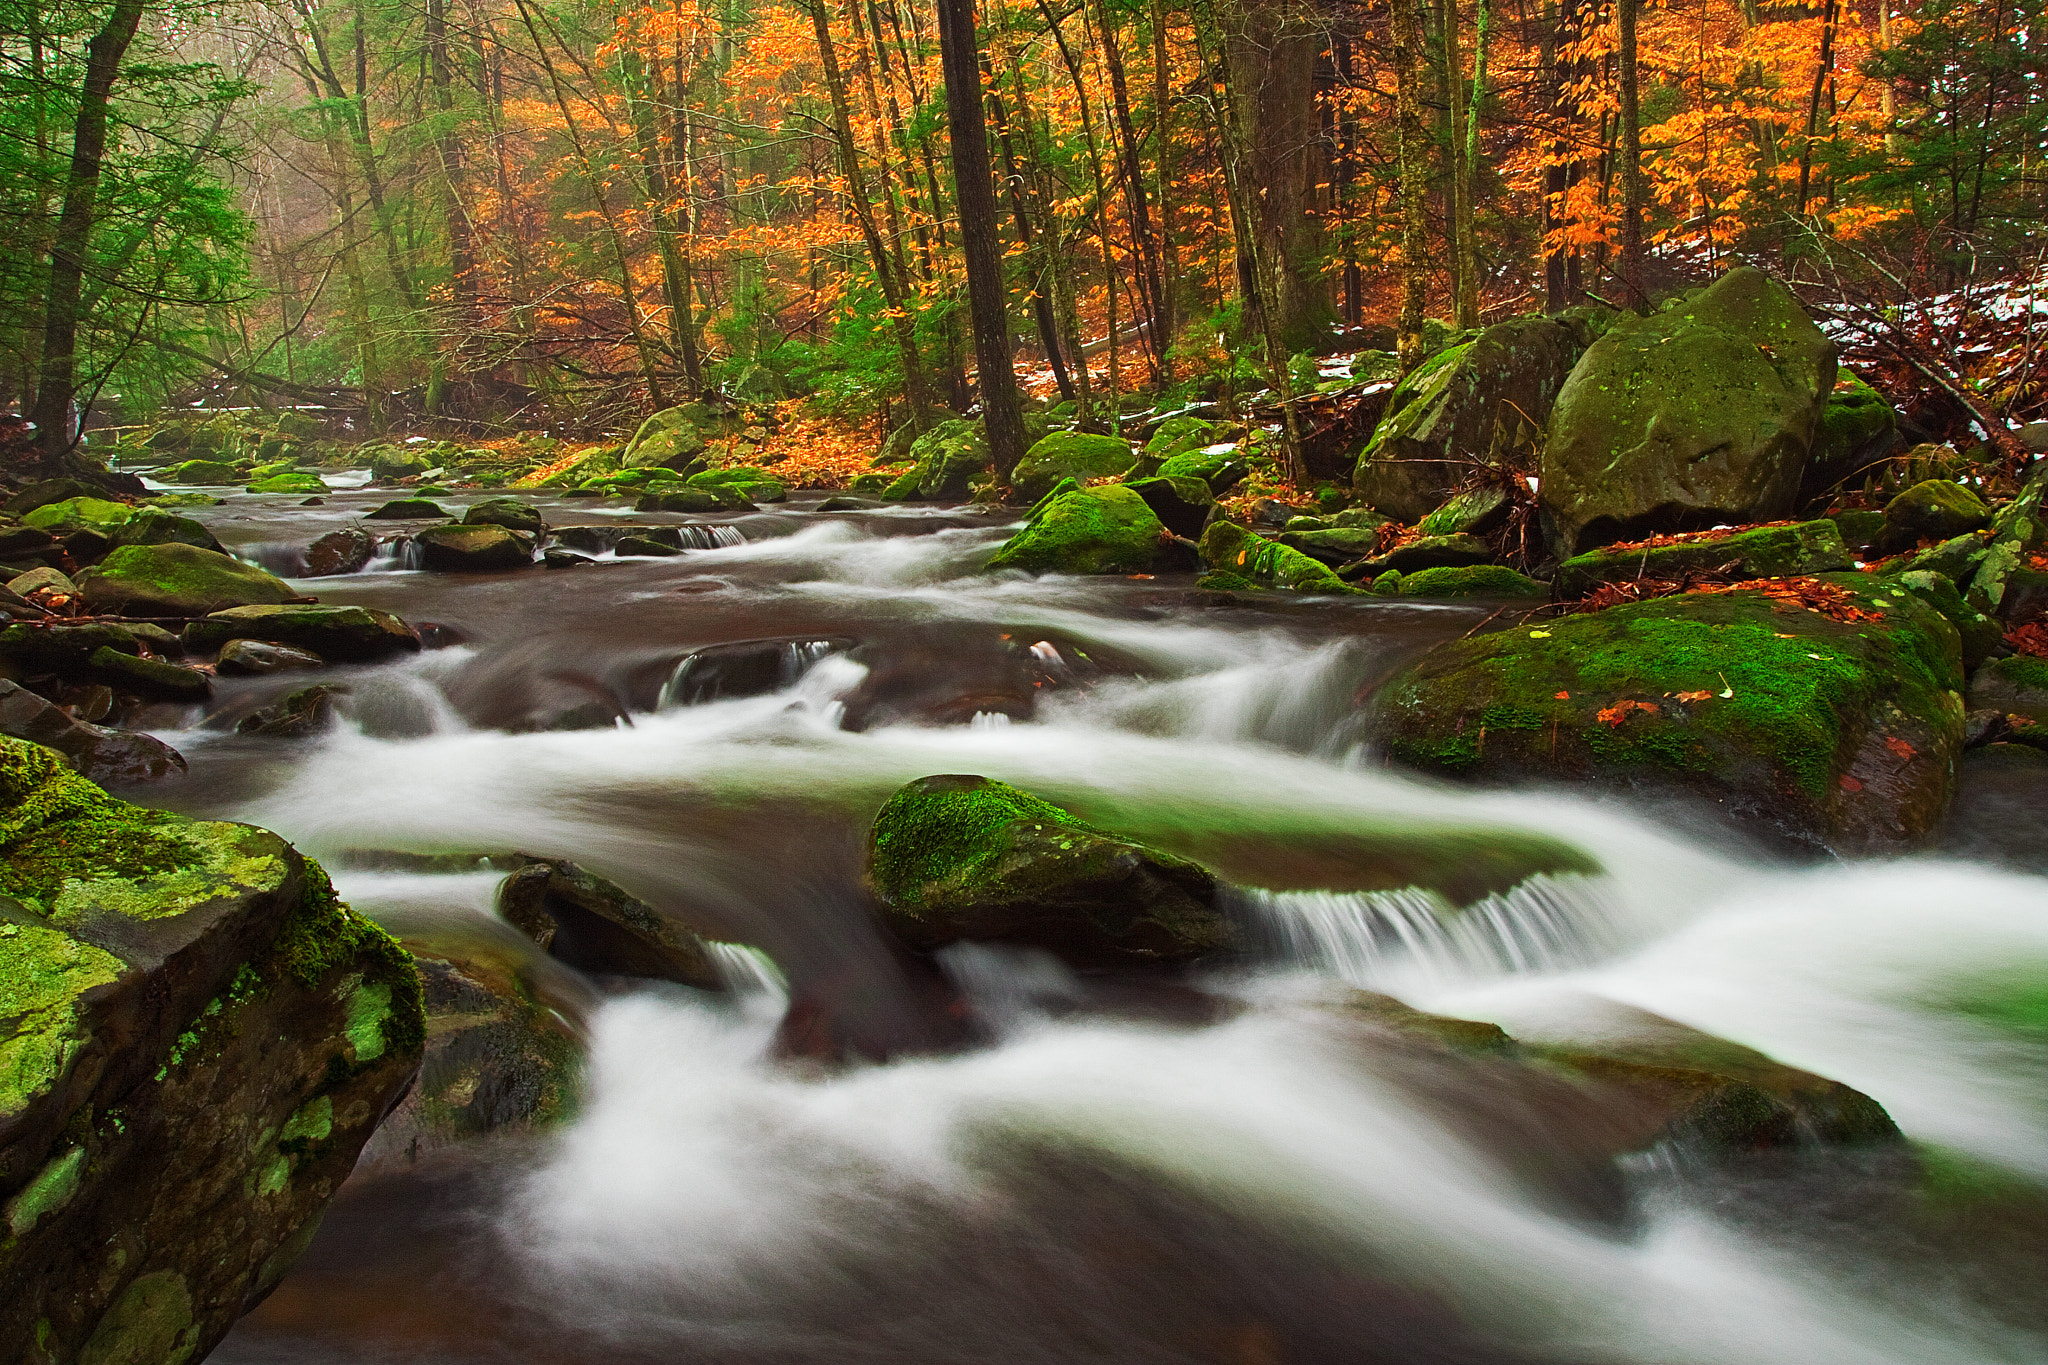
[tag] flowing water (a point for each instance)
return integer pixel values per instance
(1223, 1169)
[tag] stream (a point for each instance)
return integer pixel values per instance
(1130, 1171)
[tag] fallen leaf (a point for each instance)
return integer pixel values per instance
(1900, 747)
(1614, 715)
(1562, 696)
(1539, 635)
(1850, 784)
(1694, 696)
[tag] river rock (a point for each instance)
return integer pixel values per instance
(472, 549)
(1101, 530)
(43, 492)
(1766, 552)
(1931, 510)
(1484, 400)
(37, 648)
(1239, 559)
(752, 483)
(21, 546)
(1857, 427)
(1076, 455)
(103, 755)
(43, 580)
(958, 857)
(199, 1038)
(943, 463)
(408, 509)
(1331, 545)
(154, 526)
(2015, 686)
(709, 498)
(338, 552)
(1981, 635)
(177, 580)
(1424, 552)
(341, 634)
(296, 481)
(594, 926)
(202, 471)
(510, 513)
(254, 658)
(308, 711)
(1470, 580)
(145, 677)
(63, 518)
(1221, 470)
(1823, 732)
(1184, 506)
(1700, 414)
(666, 440)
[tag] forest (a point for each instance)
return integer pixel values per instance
(561, 216)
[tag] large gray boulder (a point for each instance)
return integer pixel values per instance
(196, 1039)
(1478, 401)
(1702, 414)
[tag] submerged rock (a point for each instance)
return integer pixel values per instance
(961, 857)
(340, 634)
(198, 1038)
(177, 580)
(1107, 529)
(1700, 414)
(590, 924)
(1841, 733)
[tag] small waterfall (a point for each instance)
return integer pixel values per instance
(695, 537)
(285, 558)
(1547, 923)
(395, 554)
(749, 669)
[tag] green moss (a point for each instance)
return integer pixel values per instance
(2024, 670)
(50, 1190)
(368, 1007)
(1078, 455)
(322, 934)
(1471, 580)
(311, 1122)
(924, 837)
(61, 517)
(149, 1324)
(177, 580)
(1229, 548)
(1093, 531)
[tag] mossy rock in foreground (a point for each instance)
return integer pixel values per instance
(1090, 531)
(1821, 732)
(178, 580)
(196, 1038)
(962, 857)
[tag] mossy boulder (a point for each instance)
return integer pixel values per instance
(1857, 426)
(300, 482)
(1089, 531)
(154, 526)
(1184, 506)
(341, 634)
(2017, 686)
(1701, 414)
(667, 440)
(1243, 559)
(62, 518)
(1179, 435)
(1766, 552)
(43, 492)
(1981, 636)
(942, 463)
(1077, 455)
(1823, 732)
(1485, 399)
(1221, 470)
(456, 548)
(1931, 510)
(751, 484)
(396, 462)
(202, 471)
(1424, 552)
(1332, 545)
(177, 580)
(147, 677)
(1470, 580)
(196, 1039)
(959, 857)
(510, 513)
(1473, 512)
(715, 497)
(408, 509)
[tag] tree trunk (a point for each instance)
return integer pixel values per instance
(974, 191)
(57, 382)
(1132, 173)
(1414, 153)
(1162, 165)
(1465, 255)
(1631, 164)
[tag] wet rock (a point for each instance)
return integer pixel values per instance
(342, 634)
(1076, 455)
(959, 857)
(338, 552)
(200, 1039)
(666, 440)
(296, 481)
(202, 471)
(752, 483)
(1822, 732)
(254, 658)
(154, 526)
(409, 509)
(845, 504)
(62, 649)
(308, 711)
(2015, 686)
(1221, 470)
(1484, 399)
(1701, 414)
(43, 581)
(711, 498)
(1427, 552)
(1107, 529)
(177, 580)
(943, 462)
(745, 668)
(19, 544)
(564, 559)
(472, 549)
(1857, 427)
(1766, 552)
(510, 513)
(1471, 580)
(151, 678)
(594, 926)
(644, 545)
(43, 492)
(1239, 559)
(1184, 506)
(1474, 512)
(1334, 545)
(106, 756)
(1933, 509)
(1981, 636)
